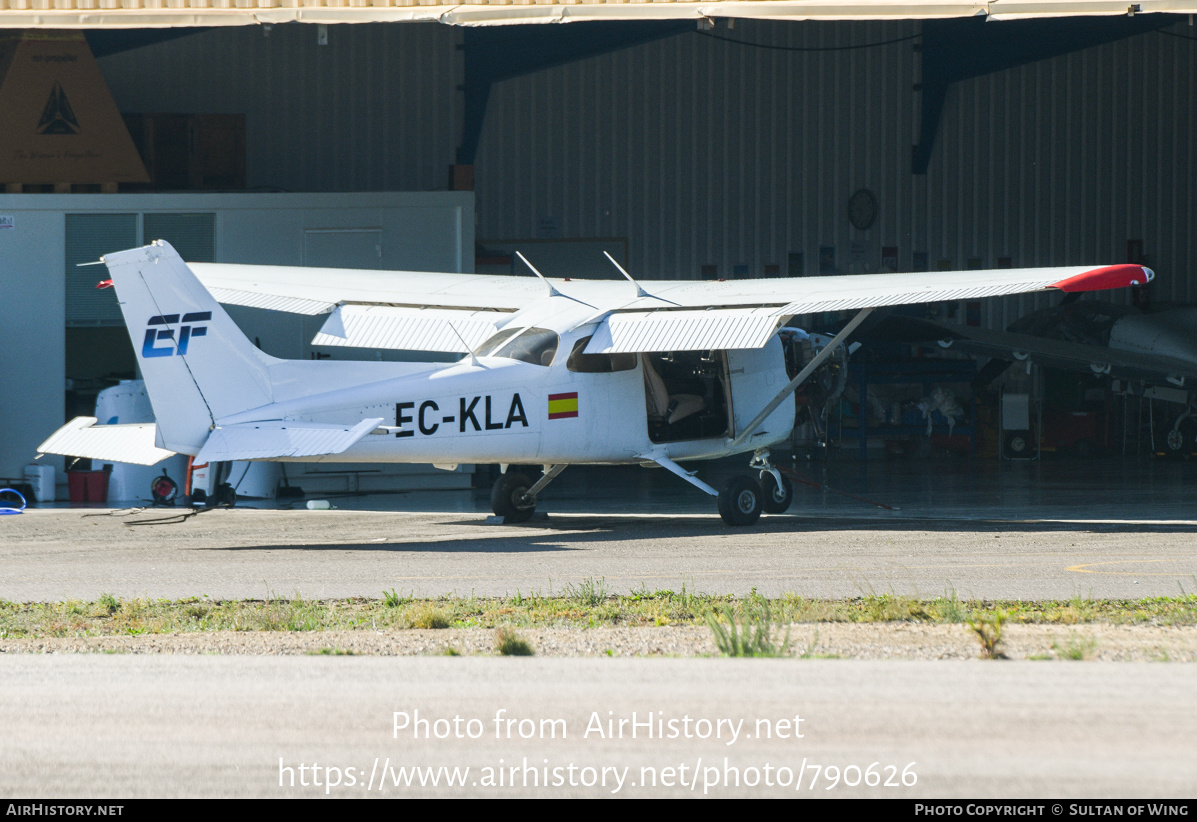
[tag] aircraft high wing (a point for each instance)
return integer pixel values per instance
(556, 372)
(1157, 348)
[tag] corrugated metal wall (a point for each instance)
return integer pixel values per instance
(376, 109)
(1063, 161)
(702, 152)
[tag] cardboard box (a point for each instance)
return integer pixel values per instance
(198, 152)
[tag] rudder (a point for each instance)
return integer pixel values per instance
(197, 364)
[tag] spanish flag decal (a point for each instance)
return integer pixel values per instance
(563, 405)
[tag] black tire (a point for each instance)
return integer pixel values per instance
(740, 501)
(225, 497)
(774, 500)
(506, 497)
(1018, 444)
(1179, 440)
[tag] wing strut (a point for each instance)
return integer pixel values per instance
(805, 373)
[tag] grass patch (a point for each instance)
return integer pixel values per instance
(425, 615)
(988, 628)
(1077, 648)
(750, 634)
(589, 591)
(587, 605)
(949, 607)
(509, 643)
(394, 600)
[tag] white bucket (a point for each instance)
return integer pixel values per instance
(41, 477)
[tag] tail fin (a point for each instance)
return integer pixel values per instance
(198, 366)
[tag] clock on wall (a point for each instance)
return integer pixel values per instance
(862, 209)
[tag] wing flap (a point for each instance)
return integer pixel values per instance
(81, 437)
(276, 439)
(405, 328)
(641, 331)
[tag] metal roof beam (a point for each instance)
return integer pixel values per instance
(140, 14)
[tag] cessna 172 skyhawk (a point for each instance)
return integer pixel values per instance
(556, 372)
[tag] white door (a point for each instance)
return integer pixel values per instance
(757, 374)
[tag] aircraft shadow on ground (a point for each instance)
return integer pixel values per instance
(575, 532)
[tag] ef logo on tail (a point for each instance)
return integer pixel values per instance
(154, 335)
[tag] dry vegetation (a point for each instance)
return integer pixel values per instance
(584, 606)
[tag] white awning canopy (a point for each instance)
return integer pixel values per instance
(106, 14)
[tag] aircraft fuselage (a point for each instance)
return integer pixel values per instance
(493, 409)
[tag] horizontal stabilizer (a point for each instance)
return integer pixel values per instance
(81, 437)
(277, 439)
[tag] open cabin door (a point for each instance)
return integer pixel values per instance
(757, 374)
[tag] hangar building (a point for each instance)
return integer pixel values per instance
(735, 140)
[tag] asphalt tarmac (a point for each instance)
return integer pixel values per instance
(149, 726)
(1121, 530)
(125, 725)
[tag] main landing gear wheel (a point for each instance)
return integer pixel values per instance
(1180, 440)
(740, 501)
(508, 497)
(776, 500)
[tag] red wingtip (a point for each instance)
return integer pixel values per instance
(1110, 276)
(104, 284)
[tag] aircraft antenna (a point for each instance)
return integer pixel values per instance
(469, 350)
(640, 292)
(552, 291)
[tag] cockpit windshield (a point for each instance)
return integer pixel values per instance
(537, 346)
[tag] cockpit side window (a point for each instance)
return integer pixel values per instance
(597, 363)
(493, 342)
(537, 346)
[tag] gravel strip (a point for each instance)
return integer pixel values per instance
(1121, 643)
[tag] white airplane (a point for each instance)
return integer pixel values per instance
(555, 373)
